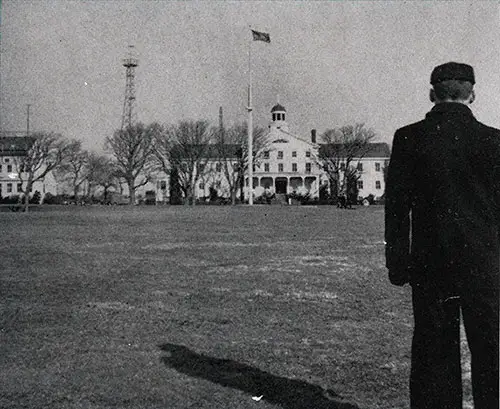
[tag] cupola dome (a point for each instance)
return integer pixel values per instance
(278, 108)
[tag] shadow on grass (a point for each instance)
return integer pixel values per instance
(289, 393)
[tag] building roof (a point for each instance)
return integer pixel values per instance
(276, 131)
(375, 150)
(211, 151)
(14, 145)
(279, 108)
(234, 151)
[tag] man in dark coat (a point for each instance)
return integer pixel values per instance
(442, 227)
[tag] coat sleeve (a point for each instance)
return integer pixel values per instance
(398, 208)
(496, 178)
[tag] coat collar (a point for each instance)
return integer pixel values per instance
(451, 108)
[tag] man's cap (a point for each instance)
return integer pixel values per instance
(452, 71)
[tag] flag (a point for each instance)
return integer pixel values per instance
(258, 36)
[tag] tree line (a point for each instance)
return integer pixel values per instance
(135, 154)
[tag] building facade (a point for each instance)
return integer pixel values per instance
(286, 164)
(12, 149)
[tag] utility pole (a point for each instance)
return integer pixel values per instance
(28, 119)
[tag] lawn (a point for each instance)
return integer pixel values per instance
(200, 307)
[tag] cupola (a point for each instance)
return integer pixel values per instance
(278, 114)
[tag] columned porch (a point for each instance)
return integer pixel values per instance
(285, 184)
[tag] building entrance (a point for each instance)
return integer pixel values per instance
(280, 185)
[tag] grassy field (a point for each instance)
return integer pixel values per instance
(204, 307)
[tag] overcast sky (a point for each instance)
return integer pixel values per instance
(331, 63)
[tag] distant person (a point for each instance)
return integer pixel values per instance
(442, 223)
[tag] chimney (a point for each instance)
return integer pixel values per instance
(313, 135)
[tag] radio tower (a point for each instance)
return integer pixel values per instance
(128, 104)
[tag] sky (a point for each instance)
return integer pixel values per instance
(330, 63)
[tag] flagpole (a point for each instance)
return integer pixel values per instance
(250, 127)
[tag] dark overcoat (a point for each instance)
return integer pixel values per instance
(442, 215)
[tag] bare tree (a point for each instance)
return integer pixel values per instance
(75, 167)
(133, 149)
(163, 144)
(232, 152)
(101, 171)
(44, 153)
(340, 154)
(185, 147)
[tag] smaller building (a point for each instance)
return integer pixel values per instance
(13, 148)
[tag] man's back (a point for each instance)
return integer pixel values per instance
(449, 174)
(443, 192)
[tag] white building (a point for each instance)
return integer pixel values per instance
(288, 164)
(12, 150)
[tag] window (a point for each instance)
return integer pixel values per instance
(294, 154)
(274, 117)
(202, 185)
(253, 168)
(360, 167)
(360, 184)
(201, 167)
(0, 168)
(163, 185)
(7, 160)
(280, 154)
(308, 167)
(377, 184)
(266, 155)
(280, 167)
(377, 166)
(294, 167)
(342, 166)
(308, 154)
(266, 167)
(218, 167)
(19, 187)
(9, 187)
(9, 168)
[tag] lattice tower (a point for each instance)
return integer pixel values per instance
(130, 63)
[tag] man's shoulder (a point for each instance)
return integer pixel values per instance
(410, 129)
(489, 131)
